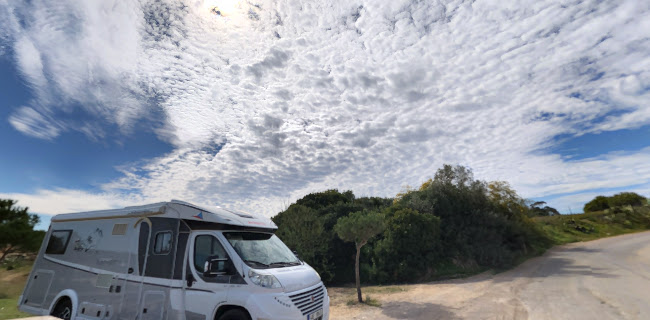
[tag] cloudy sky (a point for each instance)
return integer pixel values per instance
(253, 104)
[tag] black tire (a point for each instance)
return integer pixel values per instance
(63, 309)
(234, 314)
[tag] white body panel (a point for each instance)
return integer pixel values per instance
(137, 263)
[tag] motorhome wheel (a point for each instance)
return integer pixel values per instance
(234, 314)
(63, 309)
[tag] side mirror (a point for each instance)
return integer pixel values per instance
(295, 253)
(215, 266)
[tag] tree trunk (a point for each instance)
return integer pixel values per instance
(9, 249)
(356, 271)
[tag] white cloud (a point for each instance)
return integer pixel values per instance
(365, 95)
(32, 123)
(51, 202)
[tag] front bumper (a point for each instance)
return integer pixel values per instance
(280, 306)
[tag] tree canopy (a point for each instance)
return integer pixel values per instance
(331, 257)
(626, 199)
(359, 227)
(540, 209)
(451, 223)
(409, 248)
(17, 229)
(601, 203)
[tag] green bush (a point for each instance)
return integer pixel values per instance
(599, 203)
(626, 199)
(409, 247)
(475, 230)
(308, 227)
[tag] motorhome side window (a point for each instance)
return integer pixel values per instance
(206, 246)
(163, 243)
(58, 241)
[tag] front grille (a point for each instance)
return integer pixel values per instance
(309, 301)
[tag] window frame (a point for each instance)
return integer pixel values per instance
(155, 242)
(65, 245)
(222, 279)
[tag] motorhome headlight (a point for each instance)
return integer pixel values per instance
(264, 280)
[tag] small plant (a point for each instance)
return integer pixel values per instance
(367, 301)
(372, 302)
(389, 289)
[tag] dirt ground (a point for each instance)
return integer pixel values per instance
(603, 279)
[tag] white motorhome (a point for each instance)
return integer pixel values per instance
(170, 260)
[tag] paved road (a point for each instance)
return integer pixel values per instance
(603, 279)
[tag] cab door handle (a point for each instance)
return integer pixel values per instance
(190, 280)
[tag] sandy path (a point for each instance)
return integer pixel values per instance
(603, 279)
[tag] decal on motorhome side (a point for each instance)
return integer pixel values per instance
(89, 242)
(199, 216)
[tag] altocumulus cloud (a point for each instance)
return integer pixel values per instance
(273, 99)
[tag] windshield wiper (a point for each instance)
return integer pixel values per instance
(284, 263)
(257, 263)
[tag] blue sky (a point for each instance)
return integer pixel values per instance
(70, 161)
(118, 103)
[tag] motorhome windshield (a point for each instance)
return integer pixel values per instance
(261, 250)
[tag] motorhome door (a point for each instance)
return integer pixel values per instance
(132, 294)
(204, 293)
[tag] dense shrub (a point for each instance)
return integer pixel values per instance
(452, 222)
(626, 199)
(476, 230)
(409, 247)
(303, 230)
(601, 203)
(332, 257)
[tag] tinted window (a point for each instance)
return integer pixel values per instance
(58, 242)
(163, 243)
(204, 247)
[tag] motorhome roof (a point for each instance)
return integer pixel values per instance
(174, 209)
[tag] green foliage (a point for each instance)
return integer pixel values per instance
(323, 199)
(626, 199)
(538, 209)
(360, 226)
(340, 252)
(481, 226)
(506, 199)
(303, 230)
(594, 225)
(597, 204)
(332, 257)
(372, 302)
(601, 203)
(17, 229)
(409, 247)
(452, 225)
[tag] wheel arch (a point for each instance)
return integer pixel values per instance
(227, 307)
(69, 294)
